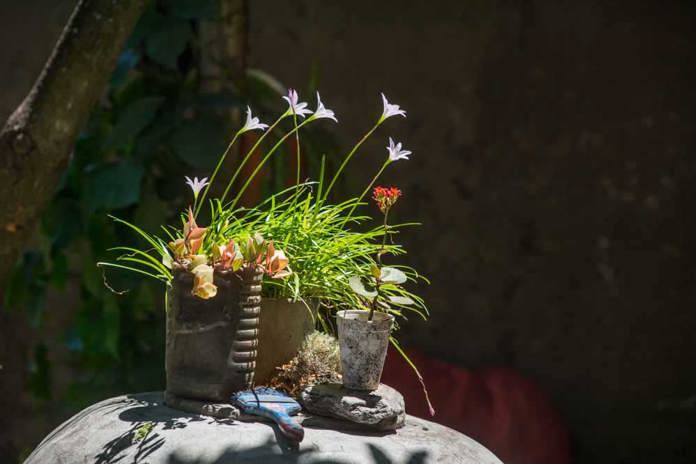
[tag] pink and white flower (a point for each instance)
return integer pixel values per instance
(390, 110)
(196, 185)
(252, 123)
(322, 111)
(395, 151)
(295, 106)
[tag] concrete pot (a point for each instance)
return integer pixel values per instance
(363, 346)
(211, 344)
(283, 327)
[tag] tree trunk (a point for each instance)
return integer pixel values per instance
(35, 146)
(37, 139)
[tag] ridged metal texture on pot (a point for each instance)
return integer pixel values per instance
(212, 344)
(363, 346)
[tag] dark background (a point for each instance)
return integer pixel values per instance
(553, 172)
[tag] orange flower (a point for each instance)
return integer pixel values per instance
(385, 197)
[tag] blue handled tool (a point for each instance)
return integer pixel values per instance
(274, 405)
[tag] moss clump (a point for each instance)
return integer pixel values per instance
(318, 361)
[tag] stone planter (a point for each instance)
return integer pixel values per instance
(283, 327)
(212, 344)
(363, 347)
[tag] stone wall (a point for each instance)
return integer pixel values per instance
(553, 170)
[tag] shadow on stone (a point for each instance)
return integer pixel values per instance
(114, 451)
(267, 454)
(141, 429)
(142, 436)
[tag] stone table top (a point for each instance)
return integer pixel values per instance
(140, 429)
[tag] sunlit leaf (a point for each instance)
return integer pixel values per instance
(356, 284)
(392, 275)
(401, 300)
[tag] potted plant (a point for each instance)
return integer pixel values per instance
(364, 333)
(235, 262)
(213, 308)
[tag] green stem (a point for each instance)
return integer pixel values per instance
(263, 161)
(367, 189)
(196, 204)
(297, 149)
(348, 157)
(378, 282)
(247, 156)
(384, 237)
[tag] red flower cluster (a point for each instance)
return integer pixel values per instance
(385, 197)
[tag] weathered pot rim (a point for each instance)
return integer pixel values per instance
(362, 315)
(357, 320)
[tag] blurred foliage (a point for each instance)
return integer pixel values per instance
(153, 126)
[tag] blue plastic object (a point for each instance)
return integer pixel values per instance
(274, 405)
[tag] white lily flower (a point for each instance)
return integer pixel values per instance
(296, 107)
(322, 111)
(390, 110)
(252, 123)
(395, 151)
(196, 185)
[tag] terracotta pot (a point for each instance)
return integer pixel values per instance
(211, 344)
(283, 327)
(363, 346)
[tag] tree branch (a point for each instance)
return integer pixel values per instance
(37, 139)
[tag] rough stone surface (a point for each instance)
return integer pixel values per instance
(382, 409)
(108, 432)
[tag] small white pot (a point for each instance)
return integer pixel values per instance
(363, 347)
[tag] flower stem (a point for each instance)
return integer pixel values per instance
(247, 156)
(263, 161)
(297, 149)
(367, 189)
(378, 282)
(384, 237)
(196, 204)
(348, 157)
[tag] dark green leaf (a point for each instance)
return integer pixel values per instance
(192, 9)
(113, 185)
(40, 373)
(152, 212)
(166, 43)
(133, 119)
(200, 143)
(111, 326)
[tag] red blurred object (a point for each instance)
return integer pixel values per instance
(497, 407)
